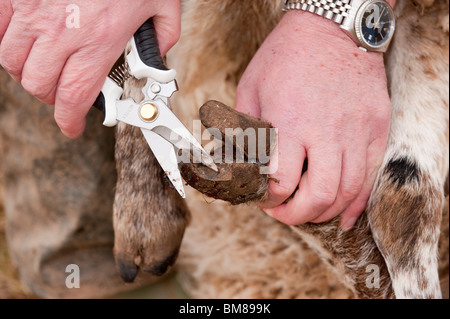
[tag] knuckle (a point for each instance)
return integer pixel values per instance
(10, 64)
(69, 97)
(280, 191)
(323, 198)
(75, 86)
(35, 88)
(105, 33)
(382, 116)
(350, 192)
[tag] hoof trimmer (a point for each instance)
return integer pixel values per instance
(163, 131)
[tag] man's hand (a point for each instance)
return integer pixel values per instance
(68, 66)
(330, 102)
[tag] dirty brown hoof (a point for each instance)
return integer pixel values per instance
(236, 183)
(160, 268)
(152, 245)
(127, 268)
(149, 216)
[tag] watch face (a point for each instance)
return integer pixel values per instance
(376, 24)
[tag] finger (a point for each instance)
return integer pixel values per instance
(6, 13)
(79, 85)
(289, 156)
(287, 167)
(42, 70)
(15, 48)
(375, 155)
(247, 97)
(168, 26)
(317, 190)
(352, 180)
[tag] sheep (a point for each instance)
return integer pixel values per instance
(221, 250)
(397, 237)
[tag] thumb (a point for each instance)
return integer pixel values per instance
(168, 26)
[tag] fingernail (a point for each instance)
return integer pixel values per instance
(349, 223)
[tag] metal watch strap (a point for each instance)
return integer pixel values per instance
(335, 10)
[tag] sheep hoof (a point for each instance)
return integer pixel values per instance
(236, 183)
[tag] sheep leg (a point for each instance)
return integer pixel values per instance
(406, 207)
(149, 216)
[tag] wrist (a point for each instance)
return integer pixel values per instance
(367, 24)
(325, 41)
(316, 28)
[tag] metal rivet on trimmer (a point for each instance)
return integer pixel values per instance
(149, 112)
(156, 88)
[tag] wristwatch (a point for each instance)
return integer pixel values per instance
(370, 23)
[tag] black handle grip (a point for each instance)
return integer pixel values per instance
(100, 103)
(148, 47)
